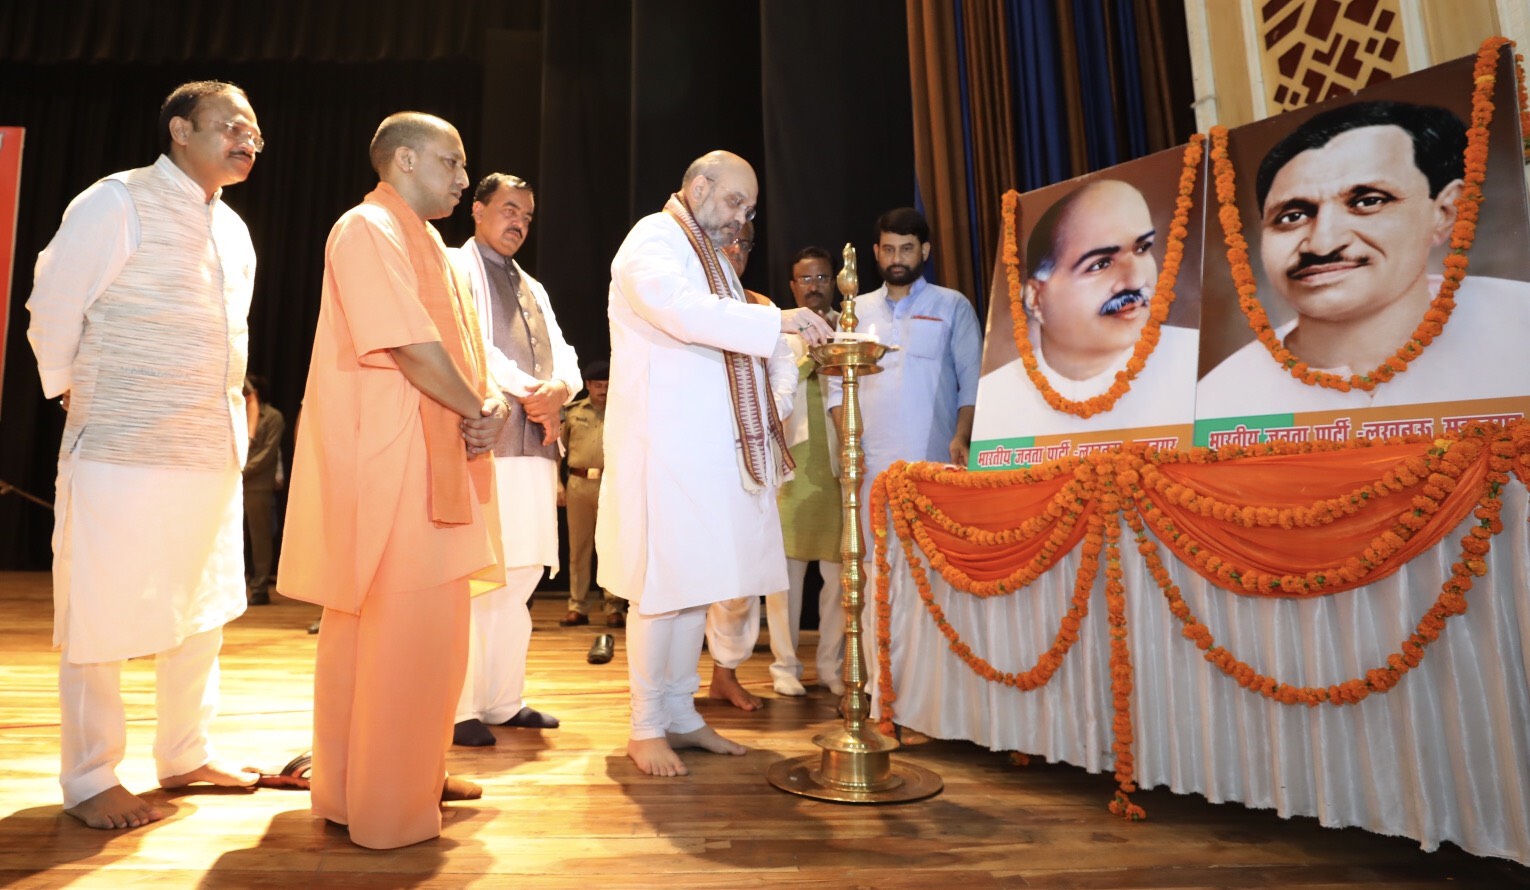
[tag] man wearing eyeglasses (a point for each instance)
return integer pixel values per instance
(392, 506)
(738, 251)
(139, 320)
(694, 449)
(733, 625)
(538, 373)
(810, 502)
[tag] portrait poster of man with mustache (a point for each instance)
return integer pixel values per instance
(1090, 253)
(1348, 207)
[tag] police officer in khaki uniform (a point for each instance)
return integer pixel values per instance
(583, 429)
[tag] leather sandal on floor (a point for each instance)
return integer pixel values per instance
(295, 775)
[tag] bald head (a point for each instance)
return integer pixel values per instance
(713, 165)
(1075, 215)
(421, 157)
(720, 190)
(412, 129)
(1091, 275)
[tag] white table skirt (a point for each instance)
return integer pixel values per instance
(1443, 756)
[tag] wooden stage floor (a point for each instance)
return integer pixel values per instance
(565, 808)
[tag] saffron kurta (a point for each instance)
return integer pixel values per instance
(357, 519)
(676, 527)
(361, 540)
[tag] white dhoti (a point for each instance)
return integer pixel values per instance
(661, 667)
(733, 627)
(501, 624)
(147, 561)
(783, 615)
(501, 633)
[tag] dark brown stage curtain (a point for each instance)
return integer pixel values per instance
(962, 175)
(939, 150)
(1161, 41)
(993, 130)
(174, 31)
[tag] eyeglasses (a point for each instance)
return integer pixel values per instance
(820, 278)
(240, 133)
(743, 245)
(735, 202)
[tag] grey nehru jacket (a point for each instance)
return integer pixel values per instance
(520, 332)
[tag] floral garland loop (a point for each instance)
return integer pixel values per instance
(1116, 482)
(1462, 236)
(1163, 295)
(1059, 520)
(1432, 477)
(1504, 453)
(904, 521)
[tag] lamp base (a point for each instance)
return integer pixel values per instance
(806, 777)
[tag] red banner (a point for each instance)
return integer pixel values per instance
(10, 189)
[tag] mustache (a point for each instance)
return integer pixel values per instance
(1305, 261)
(1124, 300)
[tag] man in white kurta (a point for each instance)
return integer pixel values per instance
(733, 626)
(693, 451)
(538, 372)
(139, 320)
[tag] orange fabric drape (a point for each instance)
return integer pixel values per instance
(1222, 517)
(1286, 481)
(995, 510)
(1278, 519)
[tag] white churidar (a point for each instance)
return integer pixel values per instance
(663, 686)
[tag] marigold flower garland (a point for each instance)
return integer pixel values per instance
(1059, 519)
(1505, 450)
(1105, 487)
(1434, 475)
(904, 520)
(1120, 655)
(1462, 236)
(1163, 295)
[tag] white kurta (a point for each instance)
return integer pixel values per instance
(529, 520)
(676, 527)
(145, 556)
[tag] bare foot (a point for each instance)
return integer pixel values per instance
(655, 757)
(213, 773)
(460, 789)
(116, 807)
(707, 739)
(725, 685)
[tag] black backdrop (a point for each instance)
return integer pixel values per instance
(600, 104)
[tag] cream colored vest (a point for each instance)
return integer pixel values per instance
(159, 376)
